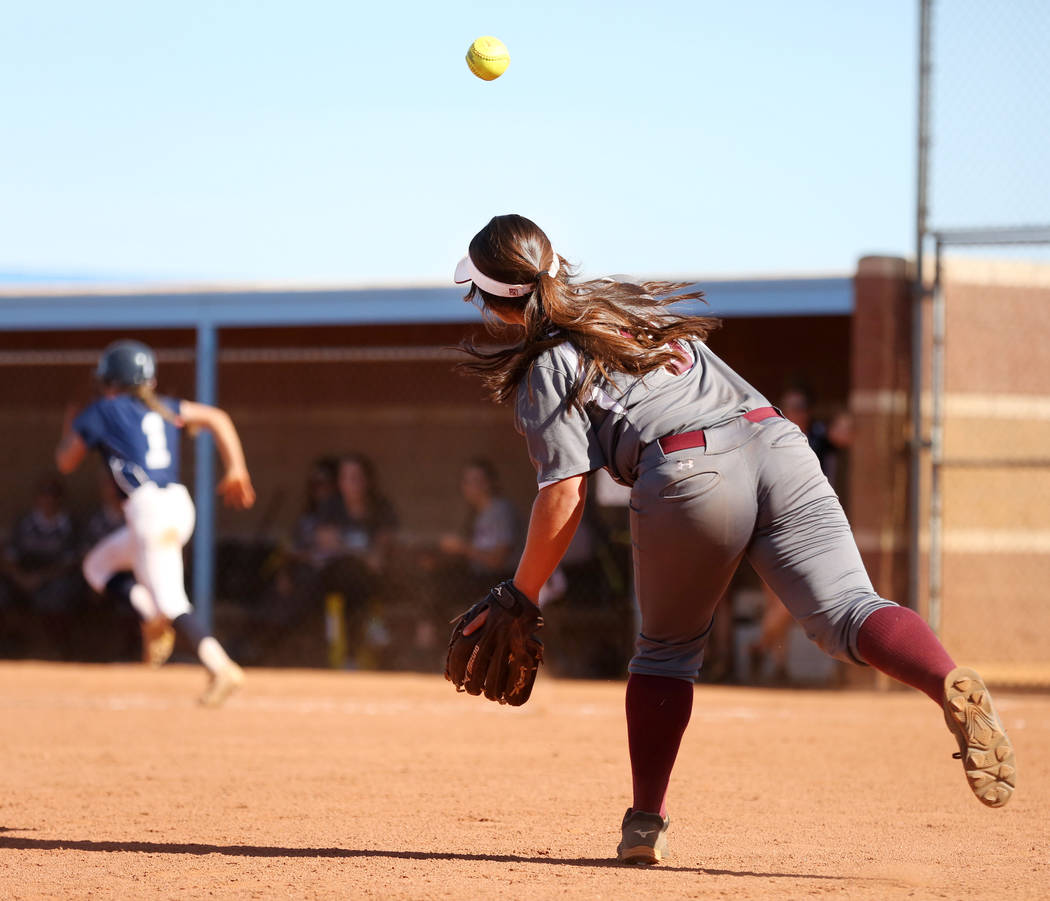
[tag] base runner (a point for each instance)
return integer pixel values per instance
(137, 434)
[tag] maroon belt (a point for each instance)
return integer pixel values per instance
(685, 440)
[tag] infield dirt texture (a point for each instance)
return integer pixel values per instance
(360, 785)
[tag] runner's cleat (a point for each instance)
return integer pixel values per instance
(158, 641)
(223, 683)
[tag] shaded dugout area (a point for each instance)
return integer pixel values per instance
(304, 393)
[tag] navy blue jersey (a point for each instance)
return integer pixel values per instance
(137, 443)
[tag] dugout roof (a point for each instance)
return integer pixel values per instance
(24, 307)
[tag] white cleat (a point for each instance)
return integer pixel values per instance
(222, 684)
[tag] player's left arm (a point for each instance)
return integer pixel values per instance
(236, 485)
(71, 448)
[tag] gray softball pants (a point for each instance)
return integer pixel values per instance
(755, 489)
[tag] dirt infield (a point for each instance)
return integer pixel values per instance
(354, 785)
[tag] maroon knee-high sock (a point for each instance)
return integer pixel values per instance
(898, 642)
(658, 710)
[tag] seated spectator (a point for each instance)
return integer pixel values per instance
(461, 566)
(365, 519)
(339, 552)
(109, 629)
(41, 573)
(322, 506)
(356, 538)
(292, 599)
(491, 533)
(108, 517)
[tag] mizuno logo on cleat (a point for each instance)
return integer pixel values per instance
(643, 832)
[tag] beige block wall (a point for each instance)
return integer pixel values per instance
(996, 532)
(996, 484)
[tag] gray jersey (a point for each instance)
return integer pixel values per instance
(624, 415)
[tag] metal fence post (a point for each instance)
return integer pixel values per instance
(918, 442)
(204, 488)
(936, 503)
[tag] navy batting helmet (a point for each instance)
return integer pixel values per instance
(126, 363)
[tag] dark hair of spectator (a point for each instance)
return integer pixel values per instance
(802, 389)
(487, 468)
(373, 495)
(323, 471)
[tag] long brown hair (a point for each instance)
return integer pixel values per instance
(617, 326)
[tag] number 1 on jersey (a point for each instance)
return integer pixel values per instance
(157, 454)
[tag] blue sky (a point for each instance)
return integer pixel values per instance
(323, 141)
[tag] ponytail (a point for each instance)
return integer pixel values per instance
(146, 393)
(617, 327)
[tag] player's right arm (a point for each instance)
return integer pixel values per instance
(236, 485)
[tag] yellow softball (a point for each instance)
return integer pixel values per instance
(488, 58)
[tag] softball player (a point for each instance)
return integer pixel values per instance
(603, 374)
(136, 432)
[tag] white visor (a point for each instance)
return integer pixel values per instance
(466, 271)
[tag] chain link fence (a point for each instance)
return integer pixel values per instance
(391, 494)
(985, 475)
(990, 118)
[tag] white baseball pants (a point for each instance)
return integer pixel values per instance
(159, 523)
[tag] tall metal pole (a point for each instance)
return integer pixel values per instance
(918, 297)
(936, 445)
(204, 488)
